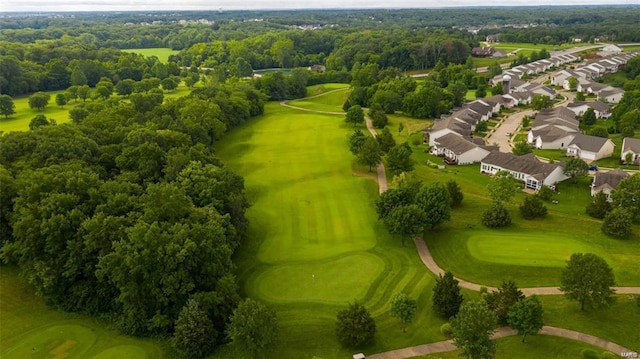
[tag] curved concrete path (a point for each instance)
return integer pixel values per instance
(447, 345)
(430, 263)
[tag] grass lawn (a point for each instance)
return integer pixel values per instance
(31, 329)
(20, 120)
(316, 243)
(536, 347)
(160, 52)
(617, 323)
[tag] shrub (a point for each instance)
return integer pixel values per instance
(589, 354)
(638, 300)
(532, 207)
(355, 327)
(496, 216)
(618, 223)
(545, 193)
(446, 330)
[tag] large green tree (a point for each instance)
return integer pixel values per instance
(433, 199)
(399, 159)
(7, 107)
(526, 316)
(446, 295)
(576, 167)
(370, 153)
(254, 328)
(599, 206)
(472, 330)
(501, 301)
(392, 199)
(532, 207)
(497, 215)
(540, 102)
(406, 221)
(355, 115)
(589, 117)
(386, 140)
(355, 327)
(588, 279)
(404, 308)
(39, 100)
(627, 195)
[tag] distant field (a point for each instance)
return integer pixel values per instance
(30, 329)
(160, 52)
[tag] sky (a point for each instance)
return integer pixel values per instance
(141, 5)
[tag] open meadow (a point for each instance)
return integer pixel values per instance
(160, 52)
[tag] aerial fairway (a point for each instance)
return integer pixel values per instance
(525, 249)
(315, 243)
(316, 282)
(303, 194)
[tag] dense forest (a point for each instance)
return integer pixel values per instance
(128, 213)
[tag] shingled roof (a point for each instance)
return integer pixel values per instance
(609, 179)
(527, 164)
(588, 143)
(455, 143)
(631, 144)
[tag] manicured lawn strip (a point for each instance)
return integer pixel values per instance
(536, 347)
(32, 329)
(316, 243)
(412, 127)
(617, 323)
(160, 52)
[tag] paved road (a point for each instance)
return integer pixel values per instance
(511, 124)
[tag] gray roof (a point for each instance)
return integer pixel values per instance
(596, 105)
(551, 133)
(479, 107)
(452, 124)
(557, 113)
(613, 91)
(596, 86)
(455, 143)
(631, 144)
(611, 178)
(589, 143)
(527, 164)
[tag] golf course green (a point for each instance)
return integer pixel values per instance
(528, 249)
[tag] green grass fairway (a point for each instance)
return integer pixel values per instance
(299, 282)
(312, 214)
(528, 249)
(331, 102)
(30, 329)
(536, 347)
(160, 52)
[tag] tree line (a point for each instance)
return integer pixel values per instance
(128, 213)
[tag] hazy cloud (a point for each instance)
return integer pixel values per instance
(130, 5)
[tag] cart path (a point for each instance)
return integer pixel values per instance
(447, 345)
(430, 263)
(381, 171)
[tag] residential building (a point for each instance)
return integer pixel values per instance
(590, 148)
(528, 169)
